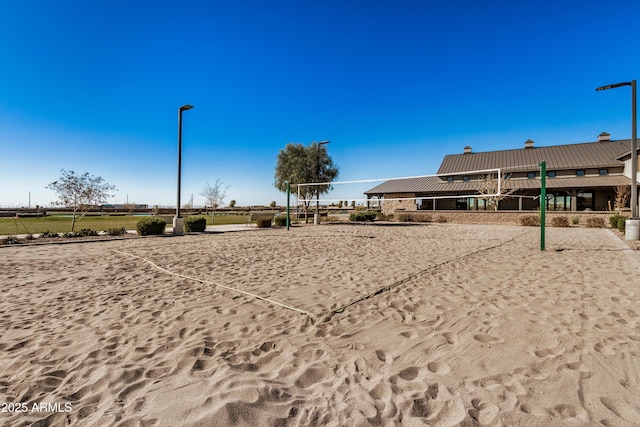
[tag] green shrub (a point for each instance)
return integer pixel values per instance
(575, 220)
(116, 231)
(362, 216)
(614, 219)
(151, 225)
(68, 234)
(280, 221)
(263, 222)
(195, 224)
(622, 224)
(530, 220)
(84, 232)
(560, 221)
(48, 234)
(29, 237)
(595, 222)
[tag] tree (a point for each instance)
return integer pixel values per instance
(273, 204)
(299, 164)
(623, 193)
(488, 188)
(232, 204)
(80, 192)
(215, 196)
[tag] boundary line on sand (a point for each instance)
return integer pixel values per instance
(306, 313)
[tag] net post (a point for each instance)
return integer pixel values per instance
(543, 201)
(288, 205)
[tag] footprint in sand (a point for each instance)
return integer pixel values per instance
(383, 356)
(488, 339)
(621, 409)
(440, 368)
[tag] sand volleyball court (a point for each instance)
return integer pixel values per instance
(338, 325)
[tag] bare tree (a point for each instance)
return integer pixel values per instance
(488, 187)
(623, 194)
(215, 196)
(80, 192)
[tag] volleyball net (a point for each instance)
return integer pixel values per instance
(483, 184)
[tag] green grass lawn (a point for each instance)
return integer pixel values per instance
(61, 224)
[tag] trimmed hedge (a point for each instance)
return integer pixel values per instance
(280, 221)
(560, 221)
(530, 220)
(263, 222)
(195, 224)
(151, 225)
(614, 220)
(362, 216)
(595, 222)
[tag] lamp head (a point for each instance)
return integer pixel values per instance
(186, 107)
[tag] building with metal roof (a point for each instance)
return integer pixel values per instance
(585, 176)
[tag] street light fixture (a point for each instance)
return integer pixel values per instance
(634, 159)
(317, 217)
(177, 221)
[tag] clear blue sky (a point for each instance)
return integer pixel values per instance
(95, 86)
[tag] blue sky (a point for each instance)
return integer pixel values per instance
(394, 85)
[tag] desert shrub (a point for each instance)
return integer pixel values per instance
(614, 219)
(405, 217)
(575, 220)
(441, 219)
(530, 220)
(362, 216)
(595, 222)
(68, 234)
(560, 221)
(423, 217)
(263, 222)
(195, 224)
(10, 240)
(622, 223)
(84, 232)
(151, 225)
(280, 221)
(116, 231)
(29, 237)
(48, 234)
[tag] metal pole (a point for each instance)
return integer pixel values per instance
(179, 159)
(543, 201)
(634, 154)
(288, 204)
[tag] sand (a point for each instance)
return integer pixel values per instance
(434, 324)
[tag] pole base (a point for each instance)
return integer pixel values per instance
(632, 229)
(316, 219)
(178, 226)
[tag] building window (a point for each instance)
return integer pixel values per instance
(450, 179)
(462, 204)
(559, 201)
(531, 175)
(551, 174)
(465, 178)
(603, 172)
(584, 201)
(580, 172)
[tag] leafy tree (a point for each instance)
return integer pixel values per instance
(215, 196)
(80, 192)
(299, 164)
(273, 204)
(232, 204)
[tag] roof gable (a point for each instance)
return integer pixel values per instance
(572, 156)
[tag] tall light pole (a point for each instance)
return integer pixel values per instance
(317, 217)
(177, 221)
(632, 225)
